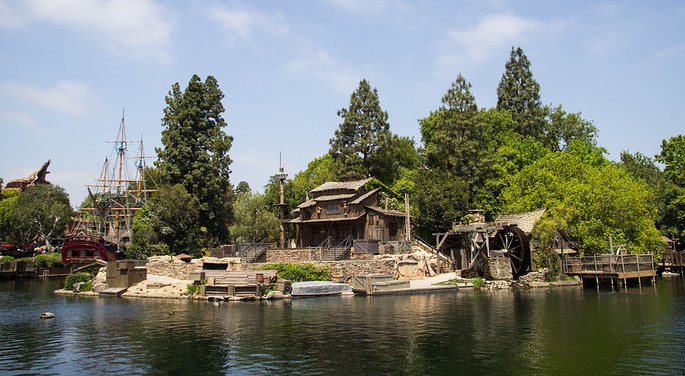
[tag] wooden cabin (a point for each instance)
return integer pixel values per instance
(338, 210)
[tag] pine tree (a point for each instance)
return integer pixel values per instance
(519, 93)
(195, 152)
(359, 143)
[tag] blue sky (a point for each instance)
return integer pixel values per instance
(69, 68)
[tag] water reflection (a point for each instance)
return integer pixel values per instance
(557, 331)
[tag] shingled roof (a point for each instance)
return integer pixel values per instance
(525, 221)
(338, 185)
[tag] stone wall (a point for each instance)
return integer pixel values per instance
(174, 267)
(418, 264)
(291, 255)
(498, 269)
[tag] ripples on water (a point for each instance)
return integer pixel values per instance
(559, 331)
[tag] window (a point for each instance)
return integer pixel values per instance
(333, 209)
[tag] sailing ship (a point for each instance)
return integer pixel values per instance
(102, 230)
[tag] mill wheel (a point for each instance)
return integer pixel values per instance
(514, 242)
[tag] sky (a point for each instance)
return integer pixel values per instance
(69, 70)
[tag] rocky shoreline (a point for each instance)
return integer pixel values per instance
(166, 287)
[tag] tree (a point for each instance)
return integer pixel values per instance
(168, 224)
(363, 136)
(673, 157)
(590, 198)
(673, 193)
(439, 200)
(562, 128)
(7, 200)
(519, 93)
(254, 221)
(195, 152)
(449, 135)
(40, 213)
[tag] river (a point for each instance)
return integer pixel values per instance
(560, 331)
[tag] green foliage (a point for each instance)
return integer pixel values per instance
(450, 134)
(39, 213)
(519, 93)
(48, 260)
(362, 139)
(88, 286)
(439, 199)
(168, 224)
(195, 153)
(300, 272)
(7, 200)
(673, 157)
(671, 192)
(589, 198)
(193, 289)
(7, 259)
(477, 282)
(562, 128)
(73, 278)
(253, 219)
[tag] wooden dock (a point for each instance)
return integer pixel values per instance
(611, 267)
(673, 261)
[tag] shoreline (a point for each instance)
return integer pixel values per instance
(160, 287)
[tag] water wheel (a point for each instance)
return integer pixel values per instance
(514, 242)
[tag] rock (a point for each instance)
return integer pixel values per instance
(47, 315)
(77, 286)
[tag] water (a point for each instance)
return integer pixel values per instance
(544, 332)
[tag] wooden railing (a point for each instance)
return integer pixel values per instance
(609, 264)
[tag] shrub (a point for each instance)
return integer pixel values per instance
(6, 259)
(300, 272)
(48, 260)
(76, 278)
(193, 289)
(478, 282)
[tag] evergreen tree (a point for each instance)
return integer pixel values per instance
(449, 134)
(519, 93)
(461, 140)
(360, 142)
(195, 152)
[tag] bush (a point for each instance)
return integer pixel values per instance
(49, 260)
(6, 259)
(478, 282)
(76, 278)
(300, 272)
(193, 289)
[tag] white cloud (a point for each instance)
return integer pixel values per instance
(489, 36)
(137, 27)
(244, 22)
(66, 96)
(332, 72)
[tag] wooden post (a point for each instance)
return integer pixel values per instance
(407, 223)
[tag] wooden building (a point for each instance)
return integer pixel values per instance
(342, 210)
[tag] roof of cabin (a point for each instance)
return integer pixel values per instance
(335, 185)
(364, 196)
